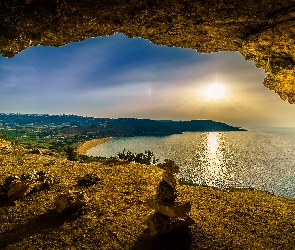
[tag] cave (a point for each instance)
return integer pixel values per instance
(262, 31)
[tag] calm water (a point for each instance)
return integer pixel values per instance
(262, 159)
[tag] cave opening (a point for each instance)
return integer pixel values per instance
(115, 76)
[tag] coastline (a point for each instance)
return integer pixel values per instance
(82, 149)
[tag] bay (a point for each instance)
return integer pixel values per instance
(262, 159)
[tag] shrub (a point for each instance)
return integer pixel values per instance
(86, 158)
(144, 158)
(71, 153)
(4, 137)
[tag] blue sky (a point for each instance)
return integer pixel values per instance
(117, 76)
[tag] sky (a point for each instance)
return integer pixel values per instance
(116, 76)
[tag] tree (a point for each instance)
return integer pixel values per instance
(71, 153)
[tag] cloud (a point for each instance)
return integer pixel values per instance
(117, 76)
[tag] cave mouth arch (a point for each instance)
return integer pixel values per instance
(115, 76)
(260, 31)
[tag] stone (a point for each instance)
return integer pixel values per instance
(30, 176)
(19, 189)
(166, 191)
(162, 224)
(170, 178)
(71, 200)
(170, 208)
(8, 180)
(46, 178)
(167, 187)
(38, 186)
(169, 166)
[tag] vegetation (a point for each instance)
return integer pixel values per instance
(4, 137)
(144, 158)
(54, 132)
(86, 158)
(71, 153)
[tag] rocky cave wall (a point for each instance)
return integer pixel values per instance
(262, 31)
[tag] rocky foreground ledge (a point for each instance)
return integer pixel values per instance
(117, 208)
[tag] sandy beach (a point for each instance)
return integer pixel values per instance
(82, 149)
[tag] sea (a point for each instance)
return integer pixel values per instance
(262, 159)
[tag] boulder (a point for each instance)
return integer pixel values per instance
(71, 200)
(19, 186)
(170, 178)
(45, 178)
(9, 180)
(162, 224)
(19, 189)
(34, 176)
(170, 208)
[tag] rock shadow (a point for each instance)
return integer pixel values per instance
(177, 240)
(47, 220)
(6, 203)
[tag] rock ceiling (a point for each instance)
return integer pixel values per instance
(262, 31)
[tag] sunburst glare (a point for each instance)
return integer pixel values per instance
(215, 91)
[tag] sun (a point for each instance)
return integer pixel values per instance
(215, 91)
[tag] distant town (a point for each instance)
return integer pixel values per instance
(56, 131)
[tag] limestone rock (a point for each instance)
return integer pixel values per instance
(166, 191)
(30, 176)
(170, 208)
(45, 178)
(170, 178)
(9, 180)
(169, 166)
(19, 189)
(19, 186)
(167, 187)
(162, 224)
(66, 202)
(260, 31)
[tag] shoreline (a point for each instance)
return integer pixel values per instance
(83, 148)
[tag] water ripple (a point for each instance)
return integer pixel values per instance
(262, 159)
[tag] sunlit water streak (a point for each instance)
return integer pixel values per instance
(261, 159)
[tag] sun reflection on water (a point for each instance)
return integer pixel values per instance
(212, 142)
(215, 172)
